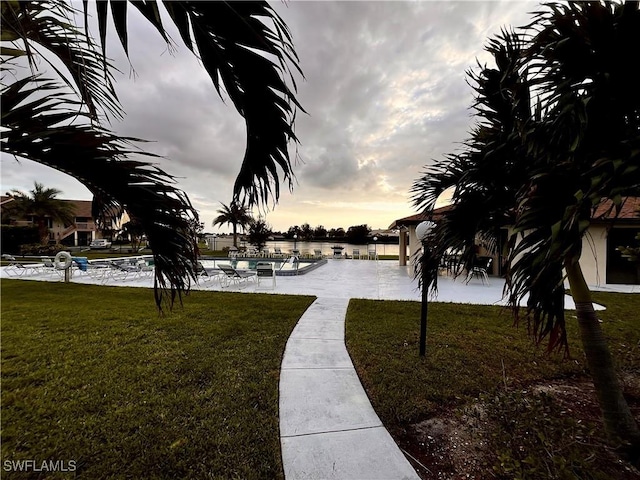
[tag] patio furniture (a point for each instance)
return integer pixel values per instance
(206, 274)
(122, 271)
(264, 273)
(48, 267)
(481, 267)
(372, 255)
(317, 254)
(20, 269)
(233, 276)
(337, 251)
(293, 260)
(15, 268)
(82, 263)
(146, 270)
(277, 252)
(96, 271)
(355, 254)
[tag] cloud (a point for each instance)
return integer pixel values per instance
(385, 90)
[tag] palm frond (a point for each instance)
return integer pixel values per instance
(47, 25)
(100, 160)
(236, 47)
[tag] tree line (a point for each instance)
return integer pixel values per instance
(258, 230)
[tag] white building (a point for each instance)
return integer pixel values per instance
(601, 262)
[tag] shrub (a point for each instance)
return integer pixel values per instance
(39, 249)
(13, 236)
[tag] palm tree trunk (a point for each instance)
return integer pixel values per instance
(619, 423)
(235, 235)
(43, 231)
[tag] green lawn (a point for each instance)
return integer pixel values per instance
(474, 353)
(95, 375)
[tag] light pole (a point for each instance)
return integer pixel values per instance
(422, 231)
(214, 241)
(295, 242)
(375, 247)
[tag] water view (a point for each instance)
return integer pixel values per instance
(288, 245)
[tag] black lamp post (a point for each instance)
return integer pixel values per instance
(422, 231)
(375, 247)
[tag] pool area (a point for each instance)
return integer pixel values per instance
(282, 267)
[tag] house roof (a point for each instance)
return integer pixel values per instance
(629, 213)
(82, 208)
(420, 217)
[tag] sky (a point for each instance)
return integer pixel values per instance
(385, 90)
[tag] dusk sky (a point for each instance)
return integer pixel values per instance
(385, 90)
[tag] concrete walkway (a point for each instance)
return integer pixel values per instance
(328, 427)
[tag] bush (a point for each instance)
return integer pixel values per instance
(39, 249)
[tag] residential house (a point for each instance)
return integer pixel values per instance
(80, 233)
(601, 262)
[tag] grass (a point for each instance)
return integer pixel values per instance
(96, 375)
(472, 351)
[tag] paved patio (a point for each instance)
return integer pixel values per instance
(379, 280)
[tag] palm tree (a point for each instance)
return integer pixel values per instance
(235, 215)
(559, 133)
(41, 203)
(246, 49)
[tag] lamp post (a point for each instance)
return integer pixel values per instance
(295, 242)
(214, 241)
(375, 247)
(422, 231)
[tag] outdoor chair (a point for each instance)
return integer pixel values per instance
(82, 263)
(277, 252)
(98, 271)
(481, 268)
(18, 269)
(121, 271)
(355, 254)
(49, 267)
(317, 254)
(372, 255)
(265, 274)
(206, 274)
(233, 276)
(146, 270)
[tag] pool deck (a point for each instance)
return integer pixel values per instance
(328, 428)
(378, 280)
